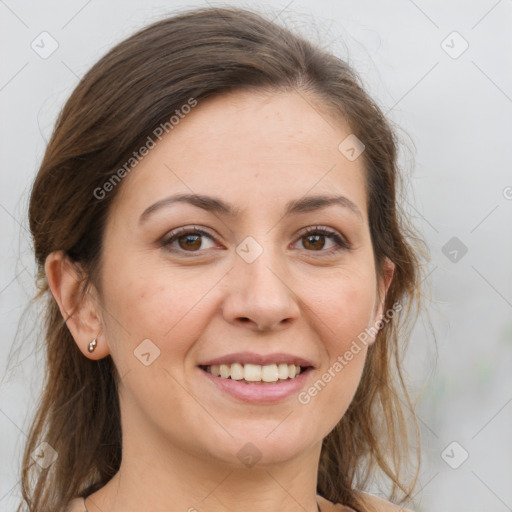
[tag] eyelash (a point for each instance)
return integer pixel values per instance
(342, 243)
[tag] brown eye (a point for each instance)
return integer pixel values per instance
(314, 242)
(189, 240)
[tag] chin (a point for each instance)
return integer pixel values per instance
(257, 450)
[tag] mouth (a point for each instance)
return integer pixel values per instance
(249, 373)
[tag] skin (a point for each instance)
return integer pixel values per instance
(181, 435)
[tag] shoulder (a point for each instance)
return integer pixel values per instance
(328, 506)
(76, 505)
(380, 505)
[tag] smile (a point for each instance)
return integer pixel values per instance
(254, 373)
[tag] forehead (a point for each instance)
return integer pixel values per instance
(255, 148)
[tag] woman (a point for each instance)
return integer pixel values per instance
(225, 270)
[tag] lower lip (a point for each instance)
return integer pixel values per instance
(259, 392)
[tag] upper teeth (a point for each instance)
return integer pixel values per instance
(255, 372)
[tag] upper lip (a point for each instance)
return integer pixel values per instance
(261, 359)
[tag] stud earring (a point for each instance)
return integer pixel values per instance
(92, 345)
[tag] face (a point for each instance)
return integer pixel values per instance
(252, 273)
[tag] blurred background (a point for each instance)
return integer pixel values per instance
(442, 73)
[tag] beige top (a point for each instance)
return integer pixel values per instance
(78, 505)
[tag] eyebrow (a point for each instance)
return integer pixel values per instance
(218, 206)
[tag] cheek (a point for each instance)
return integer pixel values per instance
(169, 312)
(340, 315)
(344, 308)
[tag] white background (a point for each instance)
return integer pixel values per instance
(455, 116)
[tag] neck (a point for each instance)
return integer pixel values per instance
(154, 477)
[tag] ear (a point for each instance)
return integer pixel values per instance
(384, 280)
(81, 312)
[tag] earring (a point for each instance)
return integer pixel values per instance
(92, 345)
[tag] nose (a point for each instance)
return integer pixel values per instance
(259, 295)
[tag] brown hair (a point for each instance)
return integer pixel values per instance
(124, 97)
